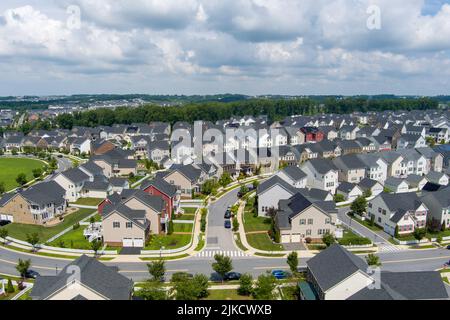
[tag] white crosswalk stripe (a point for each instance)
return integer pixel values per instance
(212, 253)
(385, 247)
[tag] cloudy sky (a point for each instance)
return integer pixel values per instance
(219, 46)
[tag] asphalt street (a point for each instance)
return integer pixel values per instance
(221, 239)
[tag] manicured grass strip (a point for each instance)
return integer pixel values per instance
(239, 242)
(350, 238)
(190, 217)
(173, 241)
(73, 240)
(252, 223)
(189, 210)
(182, 227)
(10, 168)
(88, 201)
(226, 294)
(20, 231)
(262, 241)
(270, 255)
(367, 224)
(165, 258)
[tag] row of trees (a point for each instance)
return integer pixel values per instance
(212, 111)
(187, 287)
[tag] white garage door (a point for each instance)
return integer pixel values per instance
(5, 217)
(285, 238)
(295, 238)
(128, 243)
(138, 243)
(133, 243)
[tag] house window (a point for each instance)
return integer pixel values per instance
(308, 232)
(370, 205)
(116, 225)
(129, 225)
(310, 221)
(302, 222)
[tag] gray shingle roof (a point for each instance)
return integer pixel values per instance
(93, 274)
(75, 175)
(45, 193)
(423, 285)
(275, 180)
(333, 265)
(295, 173)
(322, 166)
(162, 185)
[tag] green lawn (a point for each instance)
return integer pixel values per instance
(10, 295)
(182, 227)
(20, 231)
(173, 241)
(10, 168)
(252, 224)
(88, 202)
(226, 294)
(351, 238)
(185, 217)
(261, 241)
(73, 240)
(190, 210)
(367, 224)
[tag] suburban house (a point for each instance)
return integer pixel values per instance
(396, 185)
(312, 134)
(72, 181)
(375, 187)
(349, 190)
(101, 147)
(438, 204)
(438, 178)
(295, 136)
(98, 188)
(435, 160)
(36, 205)
(376, 166)
(188, 180)
(351, 168)
(322, 174)
(158, 151)
(79, 145)
(405, 211)
(294, 176)
(93, 281)
(298, 219)
(125, 227)
(270, 192)
(116, 163)
(337, 274)
(411, 141)
(168, 192)
(416, 182)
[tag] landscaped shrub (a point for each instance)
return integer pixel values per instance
(76, 226)
(170, 228)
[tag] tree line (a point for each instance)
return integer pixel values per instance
(213, 111)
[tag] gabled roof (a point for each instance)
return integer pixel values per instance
(333, 265)
(275, 180)
(93, 275)
(45, 193)
(162, 185)
(75, 175)
(368, 184)
(349, 162)
(295, 173)
(136, 216)
(422, 285)
(322, 166)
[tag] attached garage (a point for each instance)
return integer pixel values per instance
(133, 243)
(286, 238)
(5, 217)
(295, 238)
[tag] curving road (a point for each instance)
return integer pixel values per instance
(220, 239)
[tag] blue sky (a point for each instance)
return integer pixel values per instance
(217, 46)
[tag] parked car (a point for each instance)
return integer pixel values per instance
(4, 223)
(31, 274)
(448, 247)
(279, 274)
(233, 276)
(228, 214)
(227, 224)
